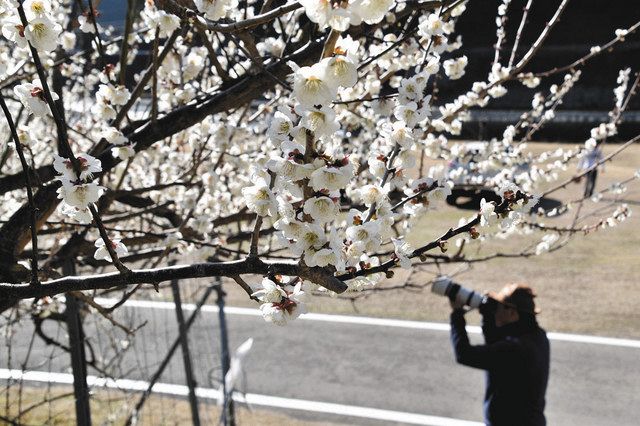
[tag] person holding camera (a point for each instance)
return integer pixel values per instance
(515, 354)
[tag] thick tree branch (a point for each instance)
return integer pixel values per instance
(154, 276)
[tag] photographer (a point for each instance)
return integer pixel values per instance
(515, 356)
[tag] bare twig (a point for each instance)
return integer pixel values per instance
(25, 168)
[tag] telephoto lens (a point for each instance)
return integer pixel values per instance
(444, 286)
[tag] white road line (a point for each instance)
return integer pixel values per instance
(384, 322)
(249, 398)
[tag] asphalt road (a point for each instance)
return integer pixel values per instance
(387, 368)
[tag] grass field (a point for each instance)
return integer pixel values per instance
(590, 286)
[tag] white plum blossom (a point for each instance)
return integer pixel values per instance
(32, 97)
(114, 136)
(115, 95)
(80, 215)
(88, 166)
(260, 199)
(497, 91)
(454, 68)
(281, 125)
(321, 121)
(440, 193)
(547, 241)
(372, 11)
(511, 220)
(432, 26)
(411, 114)
(68, 41)
(14, 31)
(215, 9)
(43, 33)
(123, 152)
(36, 8)
(325, 14)
(530, 81)
(311, 235)
(411, 89)
(487, 213)
(270, 292)
(288, 309)
(290, 228)
(321, 209)
(383, 107)
(166, 23)
(401, 134)
(330, 178)
(342, 67)
(402, 250)
(508, 189)
(377, 167)
(103, 109)
(290, 168)
(80, 195)
(372, 194)
(323, 257)
(86, 24)
(312, 86)
(174, 240)
(273, 313)
(102, 253)
(368, 234)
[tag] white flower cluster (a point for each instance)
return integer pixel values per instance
(607, 130)
(107, 97)
(547, 242)
(621, 214)
(621, 89)
(301, 188)
(216, 9)
(337, 167)
(543, 108)
(42, 31)
(501, 21)
(340, 15)
(32, 97)
(102, 253)
(281, 302)
(78, 192)
(123, 148)
(166, 23)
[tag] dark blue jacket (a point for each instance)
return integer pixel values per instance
(516, 358)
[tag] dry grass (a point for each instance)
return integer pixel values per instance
(589, 286)
(55, 407)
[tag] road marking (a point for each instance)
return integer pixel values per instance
(384, 322)
(249, 398)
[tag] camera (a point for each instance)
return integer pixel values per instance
(444, 286)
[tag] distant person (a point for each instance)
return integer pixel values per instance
(589, 160)
(515, 356)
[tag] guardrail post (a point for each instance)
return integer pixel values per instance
(78, 359)
(228, 412)
(186, 355)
